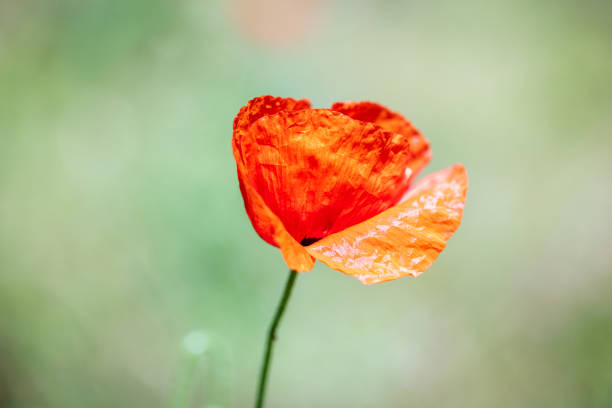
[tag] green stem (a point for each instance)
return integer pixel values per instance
(263, 375)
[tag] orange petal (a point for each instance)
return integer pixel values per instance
(394, 122)
(405, 239)
(265, 222)
(321, 171)
(271, 229)
(259, 107)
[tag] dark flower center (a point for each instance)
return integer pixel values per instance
(309, 241)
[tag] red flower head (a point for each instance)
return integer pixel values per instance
(335, 185)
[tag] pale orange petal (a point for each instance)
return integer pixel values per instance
(403, 240)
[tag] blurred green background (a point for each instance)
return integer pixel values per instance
(122, 228)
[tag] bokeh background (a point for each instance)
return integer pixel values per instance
(130, 274)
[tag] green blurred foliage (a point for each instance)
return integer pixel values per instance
(122, 228)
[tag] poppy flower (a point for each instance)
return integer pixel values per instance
(337, 185)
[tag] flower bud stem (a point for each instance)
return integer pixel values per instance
(263, 375)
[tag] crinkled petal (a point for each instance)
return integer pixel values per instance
(417, 145)
(259, 107)
(271, 229)
(403, 240)
(265, 222)
(321, 171)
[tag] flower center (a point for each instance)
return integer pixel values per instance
(308, 241)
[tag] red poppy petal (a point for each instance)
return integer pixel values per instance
(265, 222)
(271, 229)
(405, 239)
(392, 122)
(321, 171)
(263, 106)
